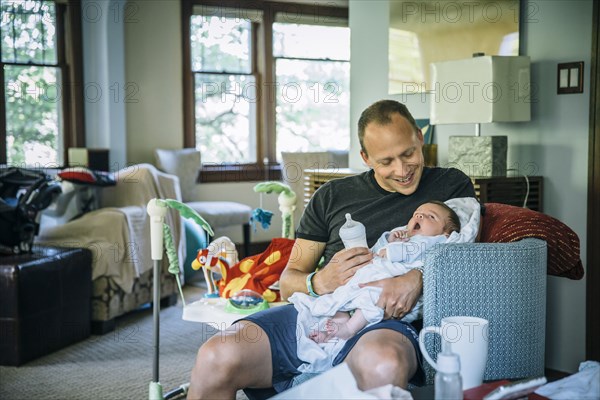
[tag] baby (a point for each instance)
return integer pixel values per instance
(399, 251)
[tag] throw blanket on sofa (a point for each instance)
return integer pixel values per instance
(118, 234)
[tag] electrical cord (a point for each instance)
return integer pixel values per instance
(527, 186)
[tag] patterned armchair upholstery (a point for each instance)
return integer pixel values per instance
(504, 283)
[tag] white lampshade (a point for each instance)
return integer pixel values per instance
(475, 91)
(481, 89)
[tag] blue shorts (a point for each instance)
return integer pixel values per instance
(280, 325)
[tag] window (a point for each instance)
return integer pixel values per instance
(313, 71)
(225, 114)
(259, 81)
(39, 112)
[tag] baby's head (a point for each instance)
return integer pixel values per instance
(433, 218)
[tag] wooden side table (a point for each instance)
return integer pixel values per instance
(45, 302)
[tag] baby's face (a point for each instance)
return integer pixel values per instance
(428, 220)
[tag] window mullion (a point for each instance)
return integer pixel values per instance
(270, 89)
(3, 148)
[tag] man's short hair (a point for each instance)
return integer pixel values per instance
(381, 113)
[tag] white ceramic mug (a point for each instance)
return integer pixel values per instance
(468, 337)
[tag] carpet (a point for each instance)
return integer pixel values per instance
(117, 365)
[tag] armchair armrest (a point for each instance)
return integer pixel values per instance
(504, 283)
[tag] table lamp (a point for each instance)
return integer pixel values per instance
(475, 91)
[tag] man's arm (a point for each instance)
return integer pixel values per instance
(304, 260)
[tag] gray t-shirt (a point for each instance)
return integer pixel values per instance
(378, 209)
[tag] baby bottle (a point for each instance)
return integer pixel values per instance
(448, 382)
(353, 233)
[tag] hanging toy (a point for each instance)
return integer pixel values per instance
(287, 204)
(261, 216)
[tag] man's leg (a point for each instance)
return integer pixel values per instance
(236, 358)
(380, 357)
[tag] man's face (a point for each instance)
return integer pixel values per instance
(394, 153)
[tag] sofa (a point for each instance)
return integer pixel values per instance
(118, 234)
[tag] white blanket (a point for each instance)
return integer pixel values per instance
(314, 312)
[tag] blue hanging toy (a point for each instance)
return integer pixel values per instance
(261, 216)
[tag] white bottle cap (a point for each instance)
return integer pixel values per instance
(448, 363)
(353, 233)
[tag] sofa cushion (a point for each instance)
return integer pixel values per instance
(505, 223)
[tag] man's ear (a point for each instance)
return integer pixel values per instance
(365, 158)
(420, 136)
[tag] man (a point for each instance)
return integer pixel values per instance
(259, 351)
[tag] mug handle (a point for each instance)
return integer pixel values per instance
(424, 331)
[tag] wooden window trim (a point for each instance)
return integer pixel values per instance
(211, 173)
(263, 68)
(70, 62)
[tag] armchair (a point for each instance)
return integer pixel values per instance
(185, 164)
(503, 282)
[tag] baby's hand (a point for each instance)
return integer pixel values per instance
(398, 236)
(382, 253)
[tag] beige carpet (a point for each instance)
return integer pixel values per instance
(117, 365)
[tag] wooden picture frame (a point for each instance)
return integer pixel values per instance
(569, 78)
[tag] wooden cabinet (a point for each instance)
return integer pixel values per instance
(516, 191)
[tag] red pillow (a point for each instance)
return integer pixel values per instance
(77, 175)
(503, 223)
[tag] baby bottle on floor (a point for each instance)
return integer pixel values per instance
(353, 233)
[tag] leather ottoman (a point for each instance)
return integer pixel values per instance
(45, 302)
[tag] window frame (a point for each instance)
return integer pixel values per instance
(70, 63)
(263, 65)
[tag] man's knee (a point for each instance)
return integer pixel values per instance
(221, 351)
(377, 364)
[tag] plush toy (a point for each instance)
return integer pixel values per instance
(218, 257)
(257, 272)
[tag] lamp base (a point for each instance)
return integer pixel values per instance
(481, 156)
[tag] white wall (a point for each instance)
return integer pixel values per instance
(555, 141)
(104, 77)
(153, 67)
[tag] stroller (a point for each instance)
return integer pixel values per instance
(24, 194)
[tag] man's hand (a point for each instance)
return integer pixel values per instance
(342, 266)
(399, 294)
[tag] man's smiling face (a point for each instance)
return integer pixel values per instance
(394, 152)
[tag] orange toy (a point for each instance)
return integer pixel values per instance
(258, 272)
